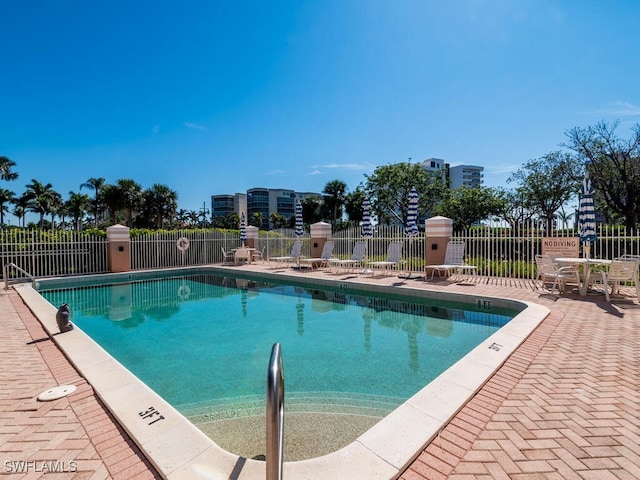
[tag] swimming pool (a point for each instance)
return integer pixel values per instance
(180, 450)
(202, 342)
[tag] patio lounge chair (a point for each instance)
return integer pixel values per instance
(294, 256)
(549, 270)
(453, 261)
(623, 270)
(394, 257)
(323, 259)
(357, 256)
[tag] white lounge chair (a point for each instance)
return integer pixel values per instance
(294, 256)
(453, 261)
(623, 270)
(394, 257)
(549, 270)
(357, 259)
(323, 259)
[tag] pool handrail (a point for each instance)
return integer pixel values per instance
(275, 415)
(5, 274)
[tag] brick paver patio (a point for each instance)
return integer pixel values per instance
(565, 405)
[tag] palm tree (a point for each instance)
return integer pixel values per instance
(6, 164)
(335, 195)
(41, 199)
(97, 185)
(6, 196)
(112, 201)
(130, 193)
(77, 206)
(161, 202)
(20, 210)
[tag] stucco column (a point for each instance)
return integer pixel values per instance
(437, 233)
(118, 249)
(320, 233)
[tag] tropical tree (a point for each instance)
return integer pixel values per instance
(76, 206)
(517, 210)
(389, 186)
(41, 198)
(56, 207)
(467, 206)
(256, 219)
(311, 211)
(113, 202)
(334, 198)
(6, 197)
(160, 202)
(130, 193)
(548, 182)
(20, 210)
(353, 204)
(6, 169)
(278, 221)
(613, 165)
(97, 185)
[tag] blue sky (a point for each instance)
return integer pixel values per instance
(213, 97)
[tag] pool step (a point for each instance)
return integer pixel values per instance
(347, 403)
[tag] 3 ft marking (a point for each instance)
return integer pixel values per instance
(495, 346)
(151, 413)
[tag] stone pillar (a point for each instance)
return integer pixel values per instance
(118, 249)
(252, 237)
(320, 233)
(437, 233)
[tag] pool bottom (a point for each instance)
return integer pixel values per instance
(307, 435)
(180, 451)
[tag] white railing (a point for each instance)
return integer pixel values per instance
(47, 254)
(496, 250)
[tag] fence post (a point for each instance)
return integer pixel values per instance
(118, 249)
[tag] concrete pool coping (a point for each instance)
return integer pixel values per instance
(180, 450)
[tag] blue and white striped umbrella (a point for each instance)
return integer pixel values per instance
(411, 228)
(243, 229)
(367, 231)
(299, 230)
(587, 212)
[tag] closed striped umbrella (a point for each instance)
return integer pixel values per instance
(367, 231)
(243, 229)
(587, 213)
(411, 228)
(299, 230)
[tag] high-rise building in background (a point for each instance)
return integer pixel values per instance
(260, 200)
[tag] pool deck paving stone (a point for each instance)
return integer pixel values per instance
(565, 404)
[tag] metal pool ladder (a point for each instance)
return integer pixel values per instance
(275, 415)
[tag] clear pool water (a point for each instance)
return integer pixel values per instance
(203, 341)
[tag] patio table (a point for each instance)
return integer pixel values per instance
(585, 265)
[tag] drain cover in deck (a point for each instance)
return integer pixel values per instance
(56, 392)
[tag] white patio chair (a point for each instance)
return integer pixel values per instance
(623, 270)
(394, 257)
(259, 254)
(548, 271)
(357, 259)
(227, 257)
(241, 255)
(323, 259)
(294, 256)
